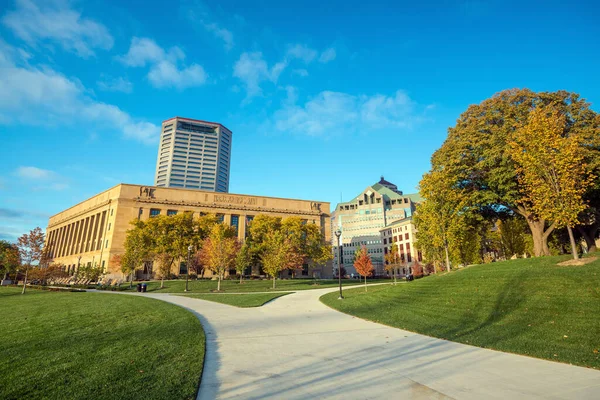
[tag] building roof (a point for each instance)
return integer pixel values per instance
(198, 120)
(387, 190)
(383, 182)
(402, 221)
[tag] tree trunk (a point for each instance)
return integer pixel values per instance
(219, 283)
(162, 282)
(25, 281)
(447, 258)
(131, 280)
(540, 236)
(273, 281)
(589, 233)
(241, 277)
(394, 272)
(573, 245)
(365, 283)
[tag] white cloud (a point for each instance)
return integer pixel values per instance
(164, 69)
(291, 94)
(334, 113)
(200, 15)
(42, 96)
(142, 51)
(252, 69)
(327, 55)
(166, 74)
(302, 52)
(34, 173)
(109, 84)
(221, 33)
(42, 179)
(300, 72)
(38, 22)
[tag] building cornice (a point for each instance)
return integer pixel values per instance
(239, 208)
(79, 213)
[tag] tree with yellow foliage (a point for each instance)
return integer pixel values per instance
(551, 168)
(393, 260)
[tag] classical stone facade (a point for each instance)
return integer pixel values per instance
(91, 232)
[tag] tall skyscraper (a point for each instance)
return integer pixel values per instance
(193, 154)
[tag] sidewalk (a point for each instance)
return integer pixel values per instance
(297, 348)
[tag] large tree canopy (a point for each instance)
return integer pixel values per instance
(476, 154)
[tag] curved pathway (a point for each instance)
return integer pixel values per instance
(295, 347)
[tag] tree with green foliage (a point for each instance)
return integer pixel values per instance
(172, 235)
(551, 169)
(219, 251)
(137, 249)
(510, 234)
(589, 219)
(10, 259)
(31, 247)
(465, 240)
(90, 272)
(260, 227)
(242, 260)
(477, 156)
(306, 240)
(438, 215)
(363, 264)
(278, 254)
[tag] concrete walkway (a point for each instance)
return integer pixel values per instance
(297, 348)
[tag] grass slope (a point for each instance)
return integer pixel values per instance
(527, 306)
(97, 346)
(234, 286)
(239, 300)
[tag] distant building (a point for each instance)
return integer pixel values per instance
(93, 231)
(402, 234)
(193, 154)
(362, 218)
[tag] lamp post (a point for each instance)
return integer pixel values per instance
(187, 267)
(338, 233)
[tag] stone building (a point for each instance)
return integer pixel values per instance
(94, 230)
(362, 218)
(402, 234)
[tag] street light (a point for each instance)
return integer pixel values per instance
(187, 269)
(338, 233)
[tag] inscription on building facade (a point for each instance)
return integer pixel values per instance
(223, 198)
(148, 192)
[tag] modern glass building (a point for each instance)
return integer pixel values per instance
(193, 154)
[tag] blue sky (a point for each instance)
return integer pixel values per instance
(322, 97)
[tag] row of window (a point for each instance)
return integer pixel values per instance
(396, 238)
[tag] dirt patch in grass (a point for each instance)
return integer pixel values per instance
(579, 262)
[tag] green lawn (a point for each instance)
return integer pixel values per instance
(97, 346)
(239, 300)
(530, 306)
(234, 286)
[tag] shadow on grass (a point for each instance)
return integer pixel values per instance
(509, 300)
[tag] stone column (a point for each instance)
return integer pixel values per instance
(242, 227)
